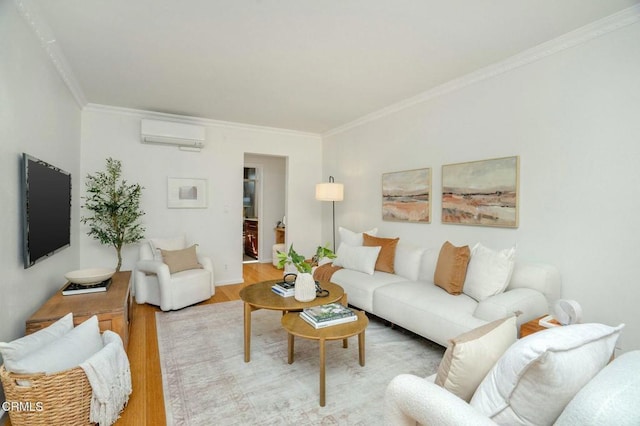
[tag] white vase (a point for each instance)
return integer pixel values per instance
(305, 289)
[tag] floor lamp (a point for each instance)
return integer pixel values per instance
(331, 191)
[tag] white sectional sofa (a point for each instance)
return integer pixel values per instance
(409, 298)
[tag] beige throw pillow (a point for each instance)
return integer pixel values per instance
(451, 268)
(470, 356)
(386, 258)
(181, 260)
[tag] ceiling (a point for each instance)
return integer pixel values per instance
(307, 65)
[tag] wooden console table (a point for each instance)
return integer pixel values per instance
(111, 307)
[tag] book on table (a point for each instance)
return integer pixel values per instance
(328, 323)
(73, 288)
(329, 314)
(281, 292)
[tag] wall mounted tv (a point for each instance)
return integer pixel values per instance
(46, 196)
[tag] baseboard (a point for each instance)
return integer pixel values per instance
(229, 282)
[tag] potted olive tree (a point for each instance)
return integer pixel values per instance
(113, 208)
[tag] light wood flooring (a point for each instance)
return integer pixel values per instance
(146, 404)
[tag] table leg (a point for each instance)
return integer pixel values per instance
(344, 302)
(322, 373)
(290, 338)
(361, 348)
(247, 332)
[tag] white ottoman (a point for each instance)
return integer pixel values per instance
(274, 254)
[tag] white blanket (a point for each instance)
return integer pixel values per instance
(109, 374)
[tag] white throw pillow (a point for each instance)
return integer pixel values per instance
(538, 375)
(357, 258)
(354, 238)
(489, 272)
(66, 352)
(471, 355)
(14, 351)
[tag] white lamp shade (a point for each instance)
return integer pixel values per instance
(329, 191)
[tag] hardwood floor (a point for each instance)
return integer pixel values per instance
(146, 404)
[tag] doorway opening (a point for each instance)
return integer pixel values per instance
(263, 206)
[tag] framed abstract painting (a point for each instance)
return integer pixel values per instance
(481, 192)
(406, 196)
(186, 193)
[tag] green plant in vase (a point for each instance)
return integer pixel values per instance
(323, 253)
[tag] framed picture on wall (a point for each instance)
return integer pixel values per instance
(186, 193)
(481, 192)
(406, 196)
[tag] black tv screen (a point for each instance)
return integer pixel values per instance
(46, 209)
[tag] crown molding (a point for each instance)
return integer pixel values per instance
(579, 36)
(31, 14)
(139, 113)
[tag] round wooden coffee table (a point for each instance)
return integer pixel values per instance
(260, 296)
(296, 326)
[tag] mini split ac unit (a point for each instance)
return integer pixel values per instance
(188, 137)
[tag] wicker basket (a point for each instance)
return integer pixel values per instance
(63, 398)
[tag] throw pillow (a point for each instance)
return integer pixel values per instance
(14, 351)
(157, 244)
(471, 355)
(538, 375)
(353, 238)
(387, 256)
(67, 351)
(451, 268)
(181, 260)
(489, 272)
(357, 258)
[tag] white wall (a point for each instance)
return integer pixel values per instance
(109, 132)
(38, 116)
(573, 118)
(273, 199)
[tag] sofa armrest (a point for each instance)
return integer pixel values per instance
(410, 399)
(530, 303)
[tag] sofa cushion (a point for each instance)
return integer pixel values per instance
(354, 238)
(387, 255)
(428, 264)
(611, 397)
(471, 355)
(407, 261)
(358, 258)
(426, 309)
(360, 287)
(157, 244)
(538, 375)
(451, 268)
(67, 351)
(489, 272)
(13, 352)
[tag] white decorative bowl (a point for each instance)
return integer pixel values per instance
(89, 276)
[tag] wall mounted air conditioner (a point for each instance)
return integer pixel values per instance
(188, 137)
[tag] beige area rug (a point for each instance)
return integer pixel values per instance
(207, 382)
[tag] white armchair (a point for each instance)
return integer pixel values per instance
(155, 284)
(557, 376)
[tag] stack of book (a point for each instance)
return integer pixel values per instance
(328, 315)
(284, 289)
(73, 288)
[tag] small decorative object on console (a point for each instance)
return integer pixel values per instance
(89, 276)
(568, 312)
